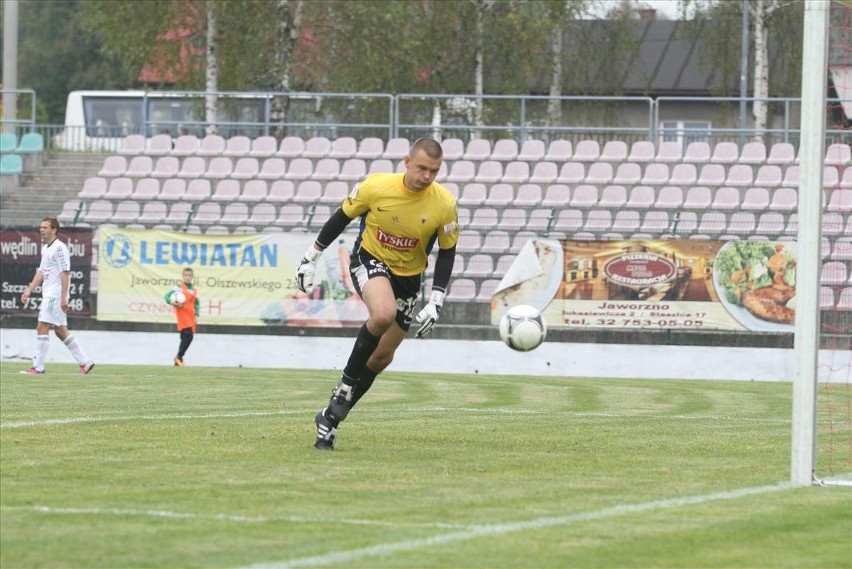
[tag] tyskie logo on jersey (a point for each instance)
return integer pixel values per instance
(396, 241)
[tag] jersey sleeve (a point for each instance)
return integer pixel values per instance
(357, 203)
(448, 233)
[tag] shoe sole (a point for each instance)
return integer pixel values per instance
(86, 372)
(321, 444)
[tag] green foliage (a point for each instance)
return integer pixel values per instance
(213, 467)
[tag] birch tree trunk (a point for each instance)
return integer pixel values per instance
(482, 9)
(289, 16)
(554, 105)
(761, 11)
(211, 78)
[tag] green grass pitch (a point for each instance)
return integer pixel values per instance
(166, 467)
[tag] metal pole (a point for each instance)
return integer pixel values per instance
(744, 76)
(10, 64)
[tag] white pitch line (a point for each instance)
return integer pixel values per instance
(342, 557)
(125, 418)
(129, 512)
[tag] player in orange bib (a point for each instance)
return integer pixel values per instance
(186, 313)
(402, 216)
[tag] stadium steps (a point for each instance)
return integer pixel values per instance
(43, 191)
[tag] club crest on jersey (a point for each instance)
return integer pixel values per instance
(395, 240)
(424, 218)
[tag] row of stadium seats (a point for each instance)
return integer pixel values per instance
(466, 171)
(502, 150)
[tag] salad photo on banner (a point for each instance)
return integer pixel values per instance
(676, 284)
(242, 279)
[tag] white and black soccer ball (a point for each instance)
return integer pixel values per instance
(523, 328)
(178, 298)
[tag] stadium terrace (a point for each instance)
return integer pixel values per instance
(208, 255)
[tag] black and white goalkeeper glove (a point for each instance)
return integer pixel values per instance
(307, 270)
(429, 315)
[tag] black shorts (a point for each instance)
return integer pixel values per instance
(363, 267)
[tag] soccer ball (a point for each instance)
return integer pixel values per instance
(178, 298)
(523, 328)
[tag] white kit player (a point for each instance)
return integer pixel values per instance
(54, 274)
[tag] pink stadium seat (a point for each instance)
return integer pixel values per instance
(656, 174)
(119, 189)
(381, 166)
(132, 145)
(262, 214)
(513, 219)
(572, 173)
(484, 219)
(281, 191)
(479, 265)
(842, 250)
(669, 197)
(139, 167)
(641, 197)
(627, 174)
(784, 199)
(343, 147)
(583, 196)
(245, 168)
(840, 200)
(470, 241)
(740, 176)
(655, 222)
(846, 179)
(462, 289)
(516, 172)
(844, 302)
(770, 224)
(159, 145)
(500, 195)
(227, 190)
(518, 241)
(528, 196)
(334, 192)
(597, 221)
(830, 177)
(397, 149)
(237, 146)
(697, 152)
(453, 149)
(544, 172)
(626, 222)
(93, 188)
(826, 298)
(614, 151)
(711, 175)
(290, 147)
(477, 149)
(192, 167)
(570, 220)
(726, 199)
(832, 224)
(272, 169)
(308, 192)
(833, 273)
(683, 175)
(291, 215)
(370, 148)
(540, 219)
(146, 189)
(486, 289)
(559, 195)
(166, 167)
(669, 152)
(613, 197)
(489, 172)
(179, 214)
(753, 153)
(216, 230)
(755, 199)
(353, 170)
(725, 153)
(263, 147)
(113, 166)
(207, 213)
(698, 197)
(254, 191)
(219, 167)
(461, 172)
(317, 147)
(99, 211)
(211, 145)
(299, 169)
(172, 189)
(453, 188)
(684, 223)
(473, 195)
(185, 145)
(642, 152)
(153, 213)
(587, 151)
(532, 150)
(559, 151)
(791, 177)
(769, 176)
(741, 223)
(838, 154)
(781, 154)
(234, 214)
(326, 169)
(505, 150)
(198, 190)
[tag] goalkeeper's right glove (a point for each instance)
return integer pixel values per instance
(307, 269)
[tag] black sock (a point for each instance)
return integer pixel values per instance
(185, 341)
(365, 345)
(366, 380)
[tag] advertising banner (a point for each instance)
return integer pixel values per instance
(662, 285)
(241, 279)
(20, 256)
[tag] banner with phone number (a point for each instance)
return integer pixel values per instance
(650, 284)
(20, 256)
(241, 279)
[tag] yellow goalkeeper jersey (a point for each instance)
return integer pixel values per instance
(398, 226)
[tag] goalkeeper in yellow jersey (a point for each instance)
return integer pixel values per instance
(402, 216)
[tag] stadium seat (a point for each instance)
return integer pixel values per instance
(172, 189)
(505, 150)
(614, 151)
(8, 142)
(119, 189)
(613, 197)
(683, 175)
(470, 241)
(519, 239)
(126, 212)
(656, 174)
(245, 168)
(641, 197)
(227, 190)
(254, 191)
(642, 152)
(572, 173)
(72, 212)
(627, 174)
(180, 214)
(513, 219)
(532, 150)
(830, 177)
(159, 145)
(755, 199)
(473, 195)
(842, 250)
(781, 154)
(770, 224)
(237, 146)
(516, 172)
(290, 147)
(489, 172)
(234, 214)
(166, 167)
(291, 215)
(353, 170)
(198, 190)
(791, 177)
(626, 222)
(185, 145)
(726, 199)
(317, 215)
(484, 219)
(207, 213)
(712, 223)
(684, 223)
(669, 152)
(93, 188)
(486, 289)
(211, 145)
(655, 223)
(477, 150)
(273, 168)
(326, 169)
(840, 200)
(478, 265)
(697, 152)
(753, 153)
(832, 224)
(838, 154)
(540, 220)
(453, 188)
(725, 153)
(263, 147)
(370, 148)
(381, 165)
(698, 197)
(768, 176)
(262, 215)
(153, 213)
(826, 298)
(281, 191)
(334, 192)
(98, 212)
(397, 149)
(711, 175)
(669, 197)
(587, 151)
(500, 195)
(343, 147)
(559, 195)
(739, 176)
(833, 273)
(559, 151)
(219, 167)
(113, 166)
(544, 172)
(146, 189)
(192, 167)
(139, 167)
(528, 196)
(132, 145)
(461, 289)
(308, 192)
(583, 196)
(784, 199)
(844, 301)
(317, 147)
(598, 221)
(461, 172)
(741, 223)
(299, 169)
(30, 143)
